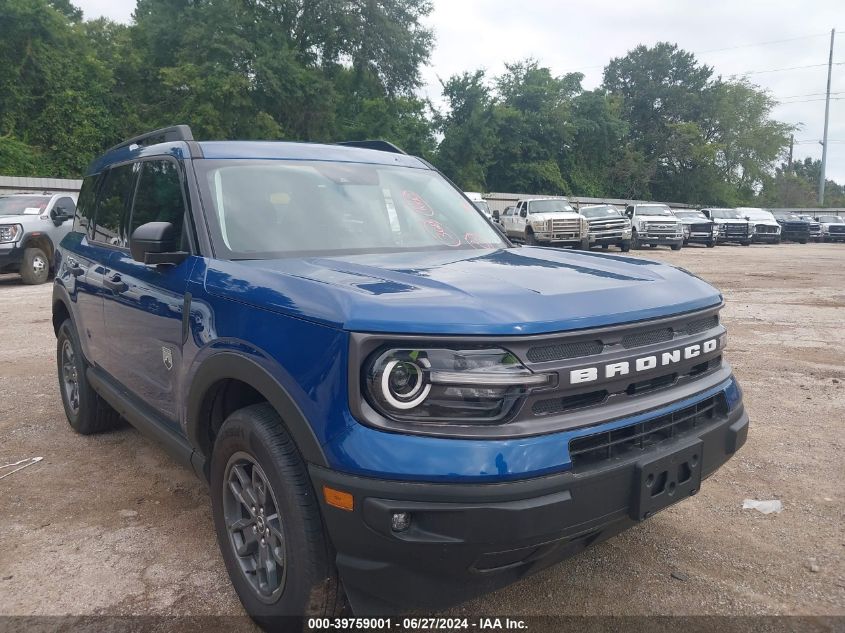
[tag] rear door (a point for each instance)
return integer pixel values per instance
(144, 314)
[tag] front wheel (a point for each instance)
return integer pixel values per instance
(625, 246)
(635, 240)
(676, 247)
(35, 267)
(746, 243)
(585, 244)
(268, 523)
(711, 244)
(529, 238)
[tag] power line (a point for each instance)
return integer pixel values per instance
(733, 48)
(811, 94)
(811, 100)
(777, 70)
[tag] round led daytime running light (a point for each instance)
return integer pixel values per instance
(418, 394)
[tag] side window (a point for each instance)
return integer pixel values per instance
(85, 209)
(159, 196)
(112, 202)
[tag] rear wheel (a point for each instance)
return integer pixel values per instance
(268, 523)
(35, 267)
(86, 411)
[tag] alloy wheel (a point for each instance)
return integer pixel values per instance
(254, 525)
(70, 377)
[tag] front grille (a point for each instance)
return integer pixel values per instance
(550, 406)
(566, 226)
(700, 325)
(836, 229)
(700, 228)
(648, 338)
(736, 229)
(796, 227)
(607, 225)
(766, 228)
(655, 228)
(562, 351)
(593, 449)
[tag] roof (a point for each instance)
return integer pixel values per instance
(257, 150)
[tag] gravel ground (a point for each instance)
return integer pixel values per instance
(108, 525)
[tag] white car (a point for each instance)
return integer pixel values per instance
(546, 221)
(480, 203)
(833, 228)
(653, 224)
(766, 228)
(732, 227)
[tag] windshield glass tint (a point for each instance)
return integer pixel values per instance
(549, 206)
(23, 205)
(725, 214)
(482, 205)
(267, 209)
(653, 209)
(599, 212)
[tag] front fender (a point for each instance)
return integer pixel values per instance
(225, 364)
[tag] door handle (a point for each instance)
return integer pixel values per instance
(115, 283)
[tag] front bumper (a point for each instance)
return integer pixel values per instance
(765, 238)
(645, 238)
(469, 539)
(700, 238)
(11, 256)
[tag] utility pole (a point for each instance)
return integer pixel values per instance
(826, 118)
(791, 144)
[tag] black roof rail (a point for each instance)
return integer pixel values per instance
(172, 133)
(378, 144)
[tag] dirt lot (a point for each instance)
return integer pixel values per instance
(109, 525)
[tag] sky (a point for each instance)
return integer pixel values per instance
(761, 38)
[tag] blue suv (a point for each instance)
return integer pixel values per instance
(392, 405)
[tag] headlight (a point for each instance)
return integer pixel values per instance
(10, 233)
(585, 226)
(538, 225)
(444, 385)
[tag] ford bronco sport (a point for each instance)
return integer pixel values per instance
(392, 404)
(31, 226)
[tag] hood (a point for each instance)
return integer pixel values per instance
(494, 292)
(659, 218)
(695, 221)
(731, 221)
(551, 215)
(20, 218)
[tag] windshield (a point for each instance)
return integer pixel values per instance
(549, 206)
(726, 214)
(482, 205)
(691, 215)
(599, 212)
(269, 209)
(653, 209)
(831, 219)
(757, 214)
(23, 205)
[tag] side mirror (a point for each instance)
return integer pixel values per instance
(495, 214)
(155, 243)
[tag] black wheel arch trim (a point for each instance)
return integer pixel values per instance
(228, 365)
(29, 237)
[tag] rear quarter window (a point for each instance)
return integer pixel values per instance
(85, 206)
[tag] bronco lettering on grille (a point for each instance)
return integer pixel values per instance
(642, 364)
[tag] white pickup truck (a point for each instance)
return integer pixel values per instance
(546, 221)
(654, 224)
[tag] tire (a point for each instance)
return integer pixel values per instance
(35, 267)
(529, 238)
(746, 243)
(625, 246)
(635, 240)
(254, 447)
(585, 244)
(802, 241)
(86, 411)
(677, 247)
(711, 244)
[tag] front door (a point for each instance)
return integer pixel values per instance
(143, 315)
